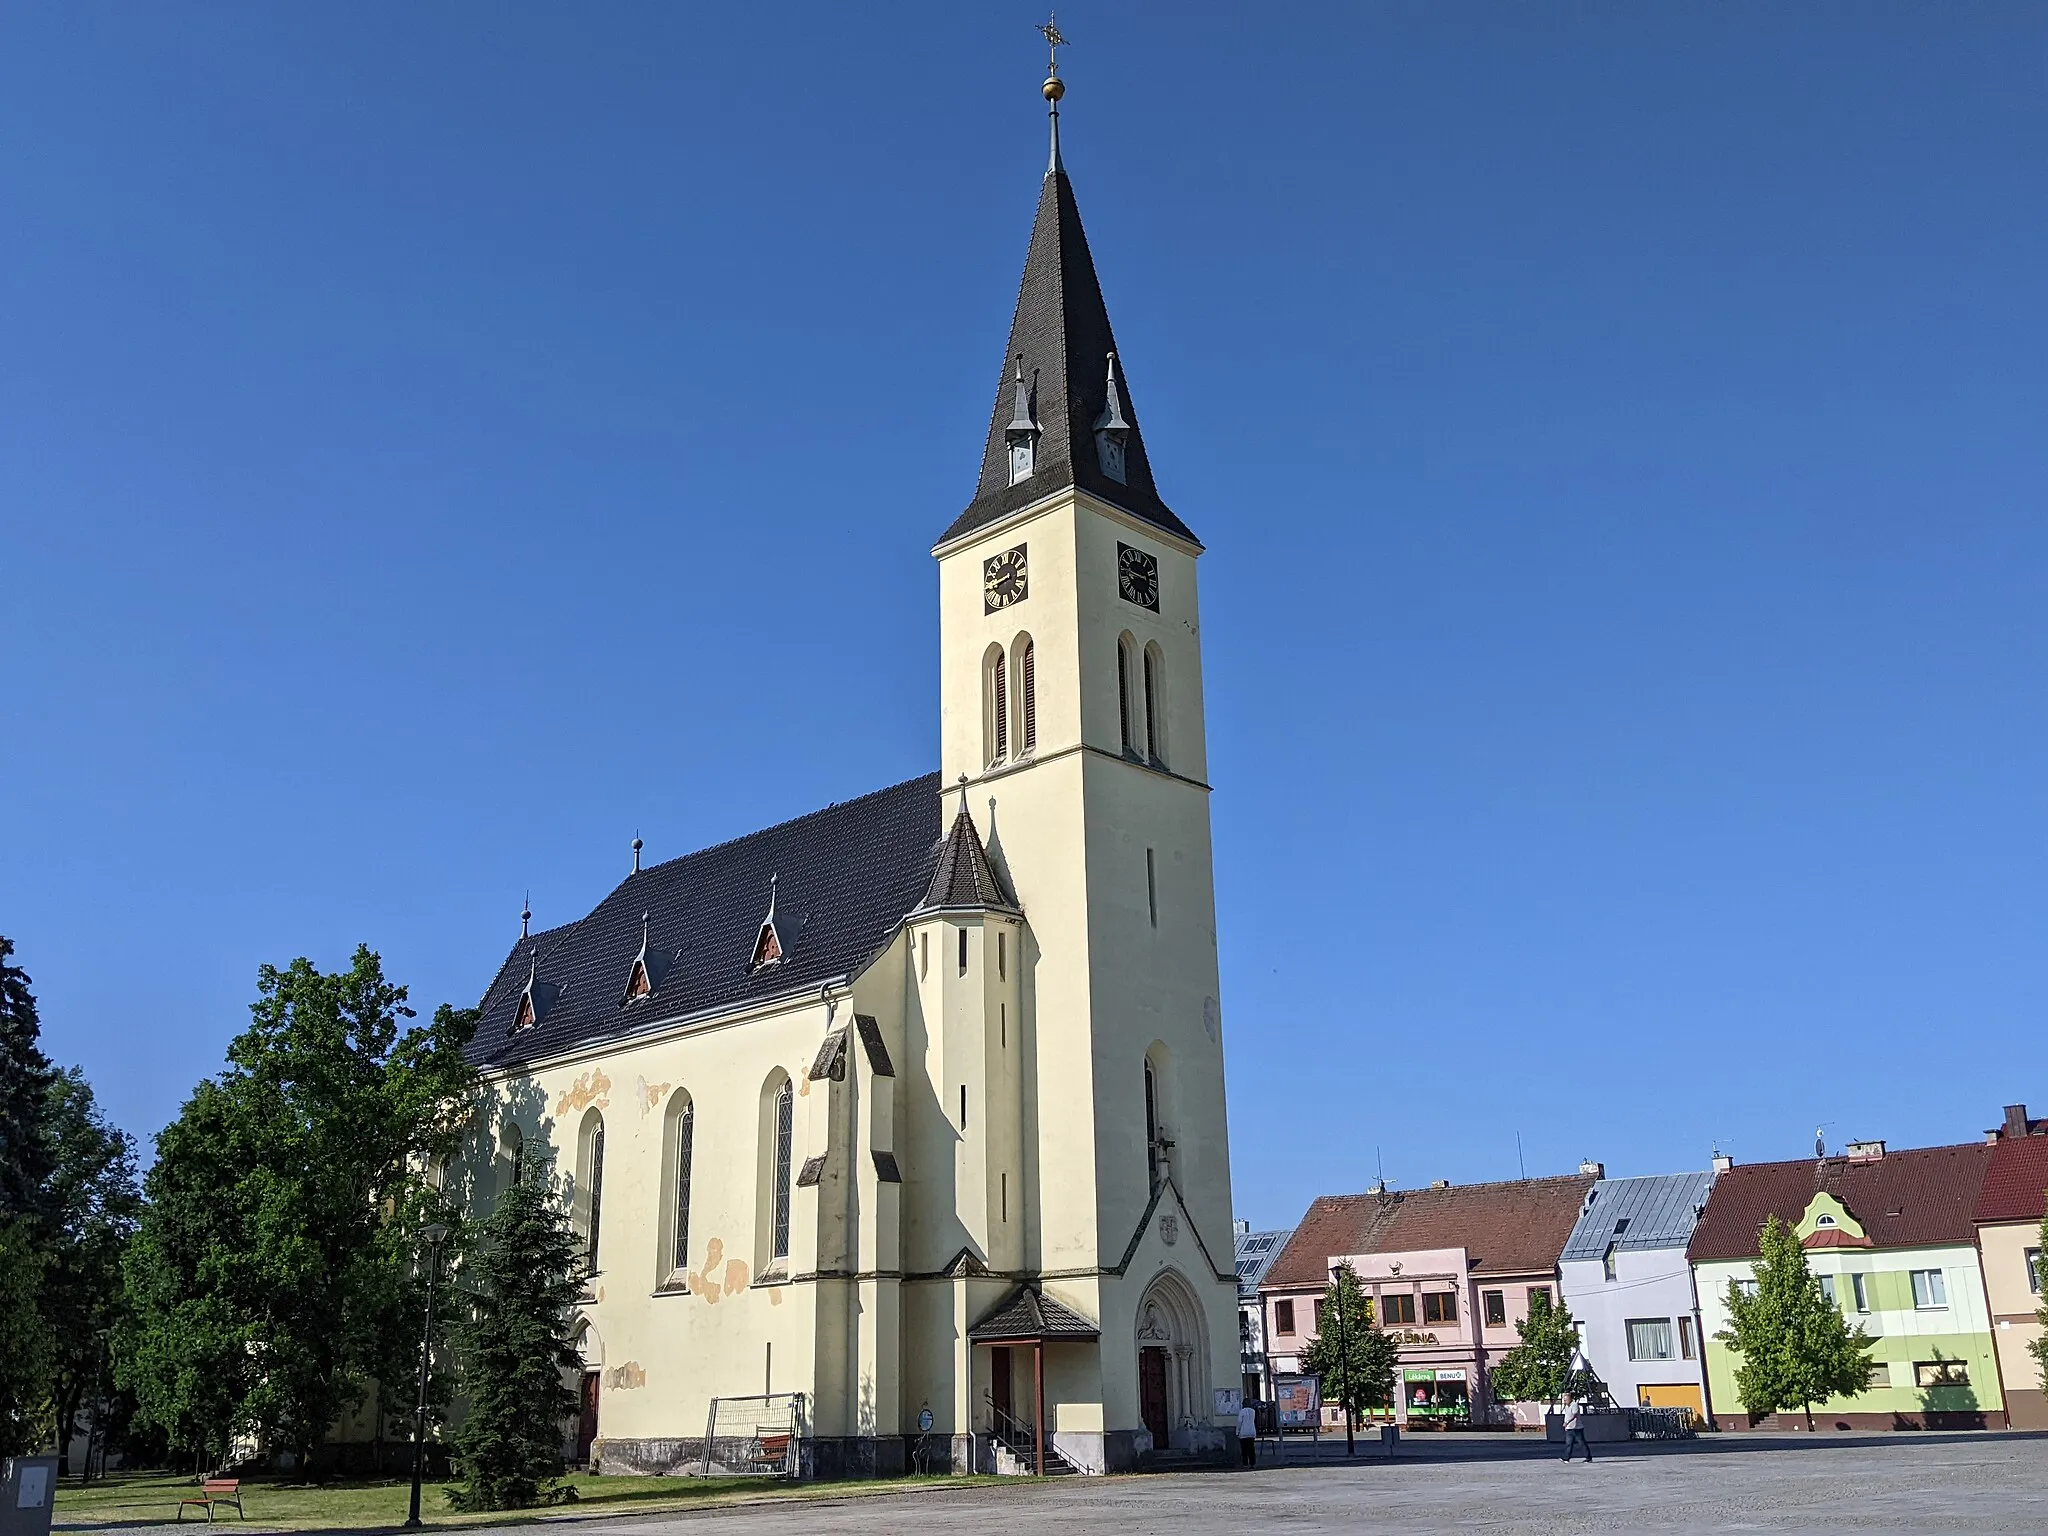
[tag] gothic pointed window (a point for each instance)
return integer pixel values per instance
(1151, 1128)
(1127, 734)
(785, 1109)
(1027, 690)
(1155, 705)
(998, 705)
(588, 1206)
(679, 1138)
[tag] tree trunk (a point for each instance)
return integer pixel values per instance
(1808, 1407)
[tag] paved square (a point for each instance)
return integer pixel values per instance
(1987, 1482)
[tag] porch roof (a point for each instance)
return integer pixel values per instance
(1027, 1315)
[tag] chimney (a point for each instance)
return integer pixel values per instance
(1722, 1161)
(2015, 1120)
(1241, 1228)
(1865, 1151)
(1598, 1170)
(1439, 1183)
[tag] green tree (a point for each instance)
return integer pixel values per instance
(24, 1095)
(516, 1347)
(92, 1206)
(1351, 1356)
(25, 1364)
(270, 1276)
(1797, 1348)
(1539, 1368)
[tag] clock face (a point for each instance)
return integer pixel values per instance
(1137, 577)
(1005, 579)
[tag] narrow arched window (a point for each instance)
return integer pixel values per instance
(590, 1194)
(1123, 694)
(999, 706)
(1155, 705)
(679, 1209)
(785, 1108)
(1151, 1129)
(1027, 692)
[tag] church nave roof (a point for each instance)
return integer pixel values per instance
(840, 880)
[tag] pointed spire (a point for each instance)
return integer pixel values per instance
(963, 875)
(1044, 440)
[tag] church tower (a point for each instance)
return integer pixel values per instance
(1071, 707)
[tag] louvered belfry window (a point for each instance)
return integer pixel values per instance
(999, 684)
(685, 1129)
(784, 1110)
(1123, 692)
(1028, 682)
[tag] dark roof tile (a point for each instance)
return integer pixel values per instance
(1914, 1198)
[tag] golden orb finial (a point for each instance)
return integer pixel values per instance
(1054, 88)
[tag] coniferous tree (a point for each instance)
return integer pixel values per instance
(24, 1095)
(1351, 1356)
(1797, 1348)
(25, 1346)
(1539, 1368)
(523, 1277)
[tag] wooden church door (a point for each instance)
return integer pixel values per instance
(1152, 1393)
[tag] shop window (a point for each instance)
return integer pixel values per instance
(1436, 1393)
(1930, 1290)
(1283, 1317)
(1496, 1304)
(1685, 1341)
(1440, 1307)
(1649, 1338)
(1940, 1373)
(1398, 1308)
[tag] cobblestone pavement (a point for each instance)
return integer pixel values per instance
(1989, 1482)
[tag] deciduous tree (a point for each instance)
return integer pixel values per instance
(1539, 1368)
(1352, 1357)
(268, 1279)
(1797, 1348)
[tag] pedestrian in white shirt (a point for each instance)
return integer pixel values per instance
(1248, 1435)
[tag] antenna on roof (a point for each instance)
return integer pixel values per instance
(1520, 1161)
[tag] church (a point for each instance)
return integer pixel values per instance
(910, 1111)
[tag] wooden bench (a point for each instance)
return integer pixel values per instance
(215, 1490)
(774, 1448)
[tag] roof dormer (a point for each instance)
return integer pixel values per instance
(649, 966)
(768, 945)
(536, 998)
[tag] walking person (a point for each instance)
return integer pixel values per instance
(1248, 1435)
(1575, 1428)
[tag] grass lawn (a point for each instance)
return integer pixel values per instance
(152, 1498)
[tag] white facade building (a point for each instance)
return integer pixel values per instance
(1629, 1286)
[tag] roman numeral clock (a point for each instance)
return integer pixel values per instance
(1005, 580)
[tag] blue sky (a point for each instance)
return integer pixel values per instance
(436, 443)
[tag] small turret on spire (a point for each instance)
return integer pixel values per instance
(636, 853)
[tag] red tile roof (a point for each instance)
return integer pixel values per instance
(1515, 1227)
(1910, 1199)
(2014, 1188)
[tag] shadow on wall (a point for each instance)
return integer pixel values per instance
(1947, 1399)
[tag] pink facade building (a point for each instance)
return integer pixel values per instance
(1450, 1272)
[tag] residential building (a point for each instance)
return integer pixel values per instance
(1448, 1271)
(1629, 1286)
(2008, 1218)
(1892, 1238)
(1256, 1252)
(915, 1102)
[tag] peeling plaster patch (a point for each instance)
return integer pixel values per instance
(775, 1297)
(651, 1095)
(803, 1085)
(710, 1283)
(624, 1378)
(592, 1088)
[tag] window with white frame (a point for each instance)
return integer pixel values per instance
(1649, 1338)
(1930, 1291)
(2033, 1258)
(1940, 1373)
(1827, 1288)
(1859, 1284)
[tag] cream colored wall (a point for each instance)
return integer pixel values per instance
(1102, 985)
(2014, 1304)
(672, 1340)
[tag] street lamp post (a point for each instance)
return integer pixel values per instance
(435, 1234)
